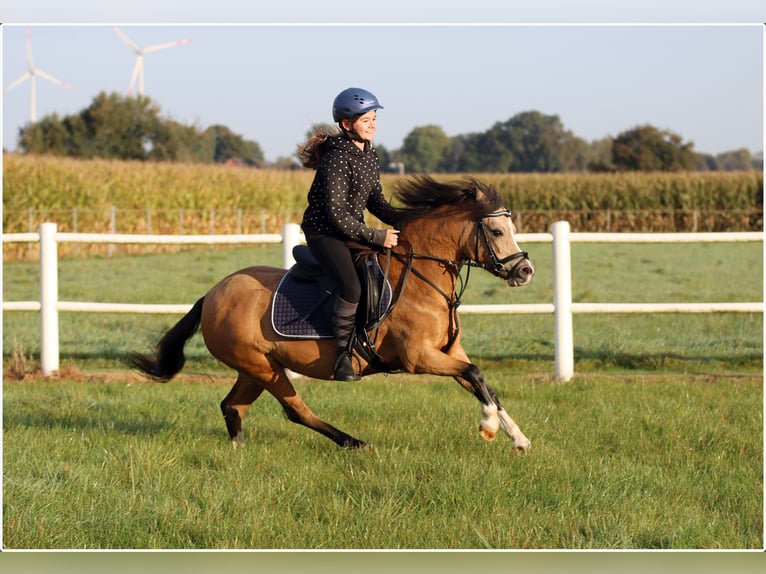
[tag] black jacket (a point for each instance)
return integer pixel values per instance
(347, 182)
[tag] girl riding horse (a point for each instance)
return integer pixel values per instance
(346, 183)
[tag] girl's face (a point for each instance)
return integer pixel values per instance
(365, 125)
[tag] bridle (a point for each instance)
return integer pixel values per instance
(407, 259)
(498, 265)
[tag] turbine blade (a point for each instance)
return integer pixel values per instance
(128, 42)
(50, 78)
(166, 45)
(23, 78)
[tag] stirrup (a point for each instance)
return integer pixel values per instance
(344, 371)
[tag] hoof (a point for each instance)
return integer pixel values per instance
(490, 422)
(238, 441)
(356, 444)
(487, 434)
(522, 447)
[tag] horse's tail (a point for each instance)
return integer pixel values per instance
(169, 358)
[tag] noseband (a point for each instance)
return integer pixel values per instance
(498, 265)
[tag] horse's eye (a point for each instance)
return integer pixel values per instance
(497, 233)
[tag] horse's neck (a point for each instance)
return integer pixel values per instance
(434, 238)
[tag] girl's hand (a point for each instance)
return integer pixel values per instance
(392, 238)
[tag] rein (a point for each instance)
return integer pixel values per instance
(454, 300)
(366, 346)
(497, 268)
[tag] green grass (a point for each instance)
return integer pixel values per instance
(721, 342)
(638, 462)
(656, 443)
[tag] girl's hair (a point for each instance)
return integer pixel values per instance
(311, 151)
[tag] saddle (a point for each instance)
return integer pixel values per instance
(302, 303)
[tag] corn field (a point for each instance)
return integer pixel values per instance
(100, 196)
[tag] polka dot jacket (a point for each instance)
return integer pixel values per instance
(347, 182)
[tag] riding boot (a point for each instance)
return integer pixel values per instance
(344, 319)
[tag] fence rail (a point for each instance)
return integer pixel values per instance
(238, 221)
(562, 306)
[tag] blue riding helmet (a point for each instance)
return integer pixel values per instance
(353, 102)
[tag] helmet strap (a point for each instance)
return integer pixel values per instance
(352, 134)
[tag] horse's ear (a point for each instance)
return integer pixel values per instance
(472, 190)
(475, 191)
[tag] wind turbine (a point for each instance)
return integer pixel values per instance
(138, 69)
(31, 74)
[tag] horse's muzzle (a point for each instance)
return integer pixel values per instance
(521, 273)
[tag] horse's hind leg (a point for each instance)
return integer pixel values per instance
(298, 412)
(244, 393)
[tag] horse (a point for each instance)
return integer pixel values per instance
(445, 228)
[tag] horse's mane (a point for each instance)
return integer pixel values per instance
(421, 195)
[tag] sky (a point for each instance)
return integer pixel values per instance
(702, 79)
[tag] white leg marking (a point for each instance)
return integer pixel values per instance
(239, 440)
(489, 422)
(520, 442)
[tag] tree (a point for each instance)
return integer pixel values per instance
(424, 149)
(228, 145)
(646, 148)
(383, 156)
(120, 127)
(737, 160)
(600, 156)
(485, 152)
(190, 143)
(528, 142)
(706, 162)
(757, 161)
(113, 126)
(48, 136)
(539, 143)
(123, 127)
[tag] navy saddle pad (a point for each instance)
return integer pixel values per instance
(302, 303)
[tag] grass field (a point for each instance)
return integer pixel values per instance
(656, 443)
(617, 462)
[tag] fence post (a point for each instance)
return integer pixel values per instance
(49, 289)
(291, 233)
(562, 301)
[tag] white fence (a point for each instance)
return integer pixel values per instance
(562, 306)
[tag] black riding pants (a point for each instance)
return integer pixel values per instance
(334, 256)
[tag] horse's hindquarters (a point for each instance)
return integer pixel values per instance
(236, 326)
(233, 324)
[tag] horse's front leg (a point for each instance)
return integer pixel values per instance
(493, 415)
